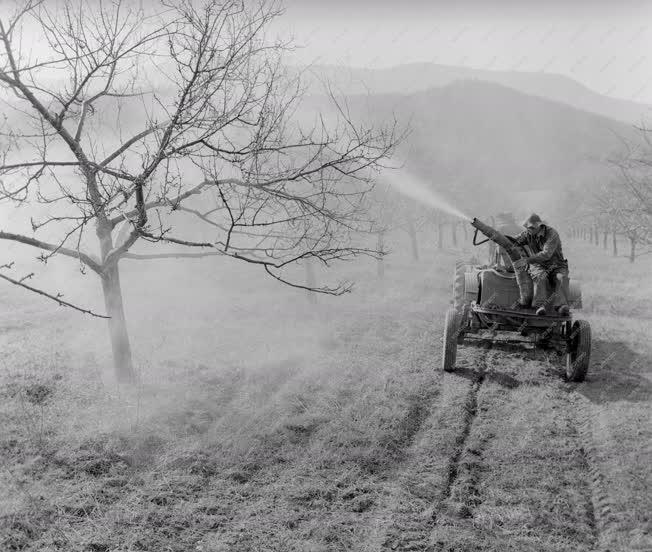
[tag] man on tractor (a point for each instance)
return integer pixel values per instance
(546, 265)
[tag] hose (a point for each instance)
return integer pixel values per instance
(514, 252)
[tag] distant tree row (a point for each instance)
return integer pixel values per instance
(423, 225)
(622, 206)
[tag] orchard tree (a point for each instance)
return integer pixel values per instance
(626, 216)
(121, 121)
(634, 169)
(394, 211)
(624, 204)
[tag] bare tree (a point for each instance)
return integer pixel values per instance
(626, 216)
(126, 121)
(395, 212)
(634, 167)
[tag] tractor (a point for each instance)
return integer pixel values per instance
(487, 308)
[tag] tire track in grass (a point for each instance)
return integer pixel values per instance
(602, 509)
(425, 480)
(404, 519)
(606, 525)
(612, 417)
(551, 375)
(521, 482)
(457, 463)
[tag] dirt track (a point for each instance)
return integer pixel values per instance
(511, 457)
(364, 446)
(500, 455)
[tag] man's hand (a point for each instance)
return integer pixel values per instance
(520, 264)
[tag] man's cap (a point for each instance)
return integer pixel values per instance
(533, 221)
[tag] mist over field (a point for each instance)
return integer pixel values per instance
(243, 305)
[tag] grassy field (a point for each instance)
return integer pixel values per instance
(263, 422)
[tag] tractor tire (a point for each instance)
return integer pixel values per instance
(579, 351)
(451, 331)
(459, 291)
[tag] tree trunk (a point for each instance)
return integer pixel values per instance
(122, 361)
(614, 243)
(440, 236)
(380, 266)
(632, 249)
(454, 232)
(604, 239)
(591, 235)
(311, 281)
(412, 231)
(597, 236)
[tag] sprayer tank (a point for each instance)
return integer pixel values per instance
(515, 253)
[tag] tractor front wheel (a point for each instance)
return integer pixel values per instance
(451, 333)
(579, 351)
(458, 286)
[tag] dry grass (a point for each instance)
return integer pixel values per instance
(612, 286)
(215, 420)
(263, 422)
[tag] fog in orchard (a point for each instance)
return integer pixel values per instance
(243, 301)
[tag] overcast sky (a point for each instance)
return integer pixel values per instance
(603, 44)
(606, 45)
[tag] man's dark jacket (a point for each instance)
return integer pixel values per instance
(545, 246)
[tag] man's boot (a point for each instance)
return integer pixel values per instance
(563, 310)
(541, 311)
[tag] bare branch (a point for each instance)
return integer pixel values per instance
(286, 184)
(84, 257)
(137, 256)
(341, 289)
(56, 298)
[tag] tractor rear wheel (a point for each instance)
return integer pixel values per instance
(451, 331)
(579, 351)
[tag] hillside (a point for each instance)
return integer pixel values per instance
(484, 144)
(415, 77)
(488, 142)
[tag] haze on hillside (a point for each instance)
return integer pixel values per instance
(599, 45)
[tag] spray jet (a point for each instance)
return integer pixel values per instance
(419, 190)
(411, 186)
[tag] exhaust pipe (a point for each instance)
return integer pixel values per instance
(514, 252)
